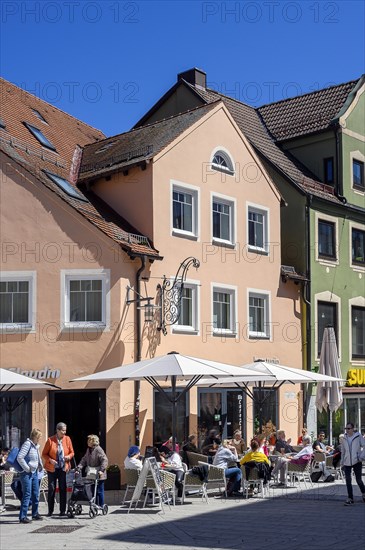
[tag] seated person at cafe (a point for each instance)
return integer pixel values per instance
(238, 442)
(168, 444)
(263, 444)
(133, 461)
(283, 446)
(255, 458)
(320, 446)
(223, 458)
(300, 438)
(302, 457)
(208, 447)
(172, 462)
(190, 447)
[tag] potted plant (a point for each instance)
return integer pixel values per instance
(112, 482)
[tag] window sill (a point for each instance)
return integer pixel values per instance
(223, 243)
(257, 250)
(258, 336)
(185, 330)
(184, 235)
(359, 190)
(85, 327)
(327, 262)
(358, 268)
(16, 329)
(225, 333)
(358, 362)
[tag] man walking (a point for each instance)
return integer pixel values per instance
(350, 460)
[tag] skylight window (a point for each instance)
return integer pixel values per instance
(40, 136)
(105, 147)
(65, 186)
(2, 124)
(38, 115)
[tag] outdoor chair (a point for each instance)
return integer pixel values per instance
(131, 479)
(321, 458)
(43, 488)
(169, 485)
(300, 471)
(8, 479)
(192, 482)
(253, 482)
(216, 477)
(195, 458)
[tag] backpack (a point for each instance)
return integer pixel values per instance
(13, 459)
(315, 476)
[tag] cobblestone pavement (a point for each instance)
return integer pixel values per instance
(299, 519)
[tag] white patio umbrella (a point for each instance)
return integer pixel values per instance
(12, 381)
(274, 374)
(329, 393)
(172, 367)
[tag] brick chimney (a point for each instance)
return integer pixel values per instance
(194, 76)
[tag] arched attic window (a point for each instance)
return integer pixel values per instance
(222, 162)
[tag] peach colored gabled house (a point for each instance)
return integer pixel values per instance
(66, 260)
(194, 186)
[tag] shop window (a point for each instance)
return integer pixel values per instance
(162, 425)
(267, 401)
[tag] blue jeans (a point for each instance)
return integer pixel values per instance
(235, 475)
(100, 493)
(30, 489)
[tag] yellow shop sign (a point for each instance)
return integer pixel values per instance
(355, 377)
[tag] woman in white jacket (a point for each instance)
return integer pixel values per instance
(351, 456)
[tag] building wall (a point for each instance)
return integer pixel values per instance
(41, 233)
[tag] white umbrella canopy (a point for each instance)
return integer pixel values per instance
(329, 392)
(182, 367)
(12, 381)
(172, 367)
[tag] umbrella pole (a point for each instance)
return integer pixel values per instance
(330, 426)
(260, 407)
(174, 407)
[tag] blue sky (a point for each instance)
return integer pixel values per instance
(108, 62)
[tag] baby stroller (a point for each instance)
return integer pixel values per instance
(84, 489)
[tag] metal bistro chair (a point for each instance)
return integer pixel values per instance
(253, 481)
(169, 485)
(320, 460)
(195, 458)
(216, 477)
(131, 479)
(300, 471)
(196, 484)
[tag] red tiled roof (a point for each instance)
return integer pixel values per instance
(65, 133)
(249, 122)
(305, 114)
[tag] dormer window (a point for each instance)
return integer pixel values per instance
(38, 134)
(222, 162)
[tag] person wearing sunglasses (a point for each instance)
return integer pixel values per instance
(351, 455)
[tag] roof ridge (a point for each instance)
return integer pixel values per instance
(156, 122)
(50, 104)
(307, 93)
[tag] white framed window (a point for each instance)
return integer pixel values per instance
(326, 236)
(327, 311)
(17, 301)
(184, 210)
(257, 228)
(188, 321)
(357, 330)
(224, 307)
(357, 160)
(221, 160)
(85, 298)
(357, 247)
(223, 219)
(258, 314)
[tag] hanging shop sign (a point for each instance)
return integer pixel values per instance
(355, 378)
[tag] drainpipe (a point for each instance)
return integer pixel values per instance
(306, 297)
(339, 186)
(137, 385)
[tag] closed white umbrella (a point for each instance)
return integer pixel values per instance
(12, 381)
(172, 367)
(329, 393)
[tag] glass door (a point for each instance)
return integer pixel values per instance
(16, 415)
(221, 410)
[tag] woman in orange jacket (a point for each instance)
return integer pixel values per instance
(57, 454)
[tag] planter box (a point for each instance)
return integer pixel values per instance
(112, 482)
